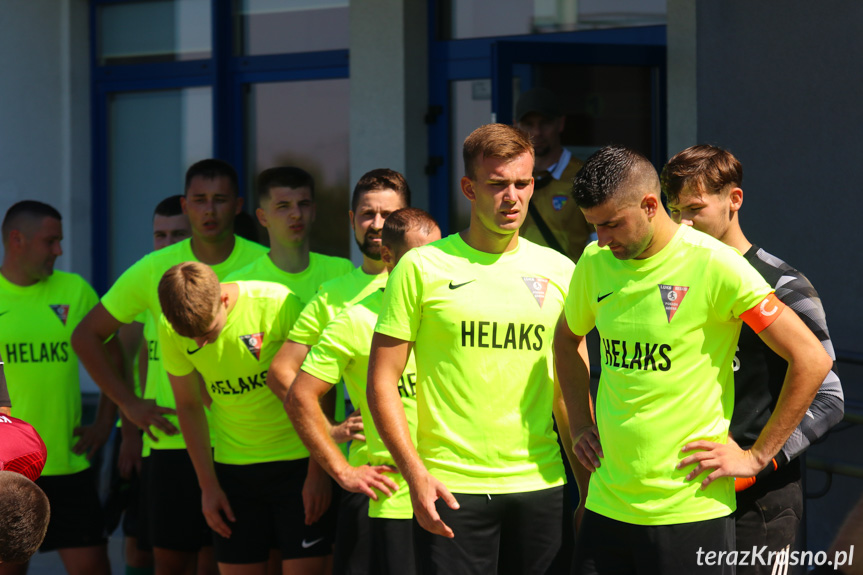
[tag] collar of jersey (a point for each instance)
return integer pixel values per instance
(15, 288)
(482, 257)
(661, 256)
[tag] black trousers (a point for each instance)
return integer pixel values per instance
(514, 533)
(609, 547)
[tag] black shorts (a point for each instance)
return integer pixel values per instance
(606, 546)
(352, 555)
(767, 519)
(517, 533)
(392, 546)
(123, 502)
(76, 513)
(267, 502)
(174, 518)
(142, 516)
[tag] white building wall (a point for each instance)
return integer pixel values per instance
(45, 115)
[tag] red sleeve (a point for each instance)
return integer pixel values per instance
(763, 314)
(21, 448)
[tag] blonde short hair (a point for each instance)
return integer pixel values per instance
(189, 294)
(494, 141)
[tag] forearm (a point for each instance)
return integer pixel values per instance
(385, 367)
(561, 416)
(106, 411)
(303, 407)
(801, 383)
(143, 366)
(196, 432)
(825, 412)
(95, 357)
(285, 367)
(573, 372)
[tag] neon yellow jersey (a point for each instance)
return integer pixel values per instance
(304, 284)
(669, 327)
(36, 323)
(136, 290)
(483, 326)
(249, 421)
(343, 351)
(157, 378)
(334, 296)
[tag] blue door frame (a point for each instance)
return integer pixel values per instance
(453, 60)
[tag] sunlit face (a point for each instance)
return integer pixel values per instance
(288, 215)
(216, 326)
(708, 213)
(211, 206)
(373, 208)
(499, 192)
(40, 248)
(168, 230)
(544, 132)
(624, 229)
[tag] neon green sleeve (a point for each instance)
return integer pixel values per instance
(308, 327)
(131, 293)
(174, 357)
(580, 315)
(329, 358)
(401, 311)
(737, 287)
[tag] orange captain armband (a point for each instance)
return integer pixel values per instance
(763, 314)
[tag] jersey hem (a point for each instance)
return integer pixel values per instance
(664, 519)
(455, 486)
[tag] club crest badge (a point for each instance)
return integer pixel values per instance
(61, 310)
(538, 287)
(558, 202)
(672, 297)
(253, 343)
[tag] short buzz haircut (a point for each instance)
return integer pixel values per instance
(494, 141)
(283, 177)
(24, 516)
(381, 179)
(707, 169)
(604, 174)
(26, 210)
(212, 169)
(404, 220)
(189, 294)
(169, 207)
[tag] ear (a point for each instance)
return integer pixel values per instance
(561, 124)
(387, 256)
(351, 217)
(239, 205)
(650, 204)
(16, 238)
(183, 204)
(735, 199)
(467, 188)
(262, 216)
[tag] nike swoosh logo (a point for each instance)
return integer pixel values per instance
(602, 297)
(193, 351)
(456, 286)
(307, 544)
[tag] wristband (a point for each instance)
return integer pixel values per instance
(742, 483)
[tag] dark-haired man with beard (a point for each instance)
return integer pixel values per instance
(377, 194)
